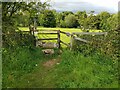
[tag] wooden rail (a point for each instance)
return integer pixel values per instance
(90, 33)
(48, 39)
(55, 32)
(80, 39)
(74, 36)
(46, 30)
(65, 43)
(47, 33)
(26, 31)
(66, 33)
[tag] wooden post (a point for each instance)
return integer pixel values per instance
(30, 29)
(34, 40)
(58, 33)
(33, 30)
(71, 42)
(32, 33)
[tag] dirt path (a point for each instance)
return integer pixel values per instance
(51, 63)
(43, 76)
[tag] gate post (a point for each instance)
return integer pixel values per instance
(71, 42)
(58, 33)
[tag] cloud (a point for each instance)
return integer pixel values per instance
(96, 5)
(75, 6)
(104, 3)
(119, 6)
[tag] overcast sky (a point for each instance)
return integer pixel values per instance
(88, 5)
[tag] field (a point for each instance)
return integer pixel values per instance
(63, 37)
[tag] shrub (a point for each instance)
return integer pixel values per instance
(71, 21)
(106, 45)
(17, 39)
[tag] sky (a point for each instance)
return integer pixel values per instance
(87, 5)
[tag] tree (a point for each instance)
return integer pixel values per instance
(62, 24)
(112, 22)
(103, 16)
(93, 22)
(59, 20)
(81, 16)
(10, 13)
(48, 19)
(92, 12)
(24, 21)
(36, 8)
(71, 21)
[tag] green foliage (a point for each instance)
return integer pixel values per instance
(21, 12)
(71, 21)
(59, 20)
(74, 71)
(24, 21)
(18, 39)
(62, 24)
(92, 22)
(18, 62)
(48, 19)
(104, 16)
(91, 65)
(106, 45)
(78, 71)
(18, 13)
(112, 22)
(82, 16)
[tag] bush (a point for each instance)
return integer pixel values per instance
(106, 45)
(17, 39)
(71, 21)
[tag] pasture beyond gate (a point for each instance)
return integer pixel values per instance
(73, 36)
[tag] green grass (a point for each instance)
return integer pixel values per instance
(74, 70)
(19, 62)
(23, 68)
(63, 37)
(62, 29)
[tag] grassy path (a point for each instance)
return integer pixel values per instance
(73, 70)
(43, 76)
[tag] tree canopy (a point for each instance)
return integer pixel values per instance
(71, 21)
(24, 14)
(47, 19)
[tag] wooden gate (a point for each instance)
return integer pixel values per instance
(52, 32)
(74, 36)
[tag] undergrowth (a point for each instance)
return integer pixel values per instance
(20, 61)
(23, 68)
(94, 71)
